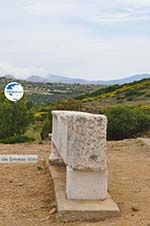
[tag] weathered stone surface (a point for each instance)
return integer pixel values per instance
(80, 139)
(60, 134)
(86, 185)
(55, 157)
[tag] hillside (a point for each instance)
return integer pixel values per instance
(40, 93)
(135, 93)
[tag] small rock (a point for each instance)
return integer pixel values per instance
(10, 181)
(39, 168)
(20, 184)
(124, 178)
(53, 211)
(137, 191)
(135, 208)
(121, 202)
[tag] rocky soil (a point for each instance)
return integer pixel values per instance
(27, 193)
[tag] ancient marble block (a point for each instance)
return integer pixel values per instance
(55, 157)
(80, 139)
(86, 185)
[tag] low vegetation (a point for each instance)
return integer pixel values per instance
(15, 119)
(127, 108)
(17, 139)
(127, 122)
(42, 94)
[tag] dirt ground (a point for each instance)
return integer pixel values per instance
(27, 192)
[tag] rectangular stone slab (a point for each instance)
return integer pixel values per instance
(79, 210)
(91, 185)
(80, 139)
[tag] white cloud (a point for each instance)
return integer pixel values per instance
(18, 72)
(45, 39)
(97, 59)
(49, 7)
(92, 10)
(137, 3)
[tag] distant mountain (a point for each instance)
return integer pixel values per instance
(10, 76)
(36, 78)
(123, 81)
(62, 79)
(56, 79)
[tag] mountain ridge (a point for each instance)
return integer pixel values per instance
(52, 78)
(62, 79)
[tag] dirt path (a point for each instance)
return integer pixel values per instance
(27, 194)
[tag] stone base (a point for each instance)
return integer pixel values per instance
(86, 185)
(79, 210)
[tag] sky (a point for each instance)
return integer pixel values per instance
(89, 39)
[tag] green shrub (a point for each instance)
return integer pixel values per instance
(126, 122)
(40, 116)
(46, 129)
(17, 139)
(130, 98)
(131, 92)
(14, 117)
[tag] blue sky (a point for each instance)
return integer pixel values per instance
(91, 39)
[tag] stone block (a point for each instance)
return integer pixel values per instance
(86, 185)
(55, 157)
(80, 139)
